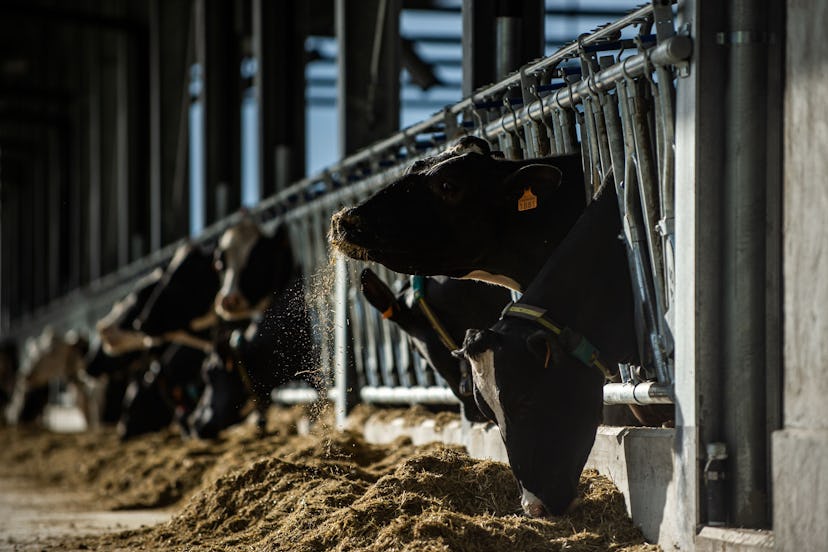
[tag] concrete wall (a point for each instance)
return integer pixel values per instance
(800, 450)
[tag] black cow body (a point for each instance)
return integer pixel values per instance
(114, 373)
(546, 402)
(458, 305)
(181, 303)
(260, 279)
(116, 329)
(166, 391)
(467, 214)
(275, 348)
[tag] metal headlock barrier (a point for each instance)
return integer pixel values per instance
(611, 93)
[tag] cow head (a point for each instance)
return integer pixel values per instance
(458, 305)
(183, 298)
(116, 328)
(251, 267)
(145, 408)
(547, 405)
(166, 390)
(467, 214)
(222, 401)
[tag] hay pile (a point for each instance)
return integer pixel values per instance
(333, 491)
(152, 471)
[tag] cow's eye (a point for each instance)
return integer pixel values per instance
(448, 191)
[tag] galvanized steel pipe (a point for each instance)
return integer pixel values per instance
(648, 392)
(408, 395)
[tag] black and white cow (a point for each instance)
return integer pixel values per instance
(50, 359)
(122, 352)
(116, 330)
(547, 402)
(259, 278)
(456, 305)
(166, 391)
(252, 266)
(180, 307)
(467, 214)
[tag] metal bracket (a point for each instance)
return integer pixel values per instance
(663, 19)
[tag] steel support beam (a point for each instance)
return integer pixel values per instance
(369, 71)
(279, 32)
(477, 44)
(744, 209)
(170, 55)
(519, 34)
(217, 50)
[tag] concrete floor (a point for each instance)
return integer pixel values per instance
(31, 513)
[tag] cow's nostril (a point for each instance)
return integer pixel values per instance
(536, 510)
(347, 217)
(230, 302)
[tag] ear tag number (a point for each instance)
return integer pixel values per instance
(527, 201)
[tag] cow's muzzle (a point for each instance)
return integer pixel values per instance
(345, 232)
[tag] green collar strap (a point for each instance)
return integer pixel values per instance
(575, 344)
(418, 286)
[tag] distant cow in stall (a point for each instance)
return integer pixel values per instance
(121, 352)
(165, 391)
(454, 306)
(467, 214)
(180, 308)
(260, 279)
(178, 321)
(538, 369)
(50, 360)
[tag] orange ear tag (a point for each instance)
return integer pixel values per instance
(527, 201)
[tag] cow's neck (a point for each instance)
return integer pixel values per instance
(515, 265)
(585, 285)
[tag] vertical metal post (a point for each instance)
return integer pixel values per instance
(699, 154)
(341, 342)
(478, 44)
(124, 97)
(54, 197)
(278, 47)
(154, 125)
(743, 260)
(219, 59)
(368, 84)
(94, 156)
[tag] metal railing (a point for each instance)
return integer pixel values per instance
(616, 104)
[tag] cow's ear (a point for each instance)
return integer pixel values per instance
(470, 144)
(378, 294)
(530, 184)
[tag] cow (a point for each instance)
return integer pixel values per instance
(180, 307)
(50, 359)
(467, 214)
(252, 266)
(166, 391)
(116, 331)
(113, 373)
(454, 306)
(259, 279)
(536, 371)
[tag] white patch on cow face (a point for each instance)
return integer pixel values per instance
(483, 373)
(235, 244)
(496, 279)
